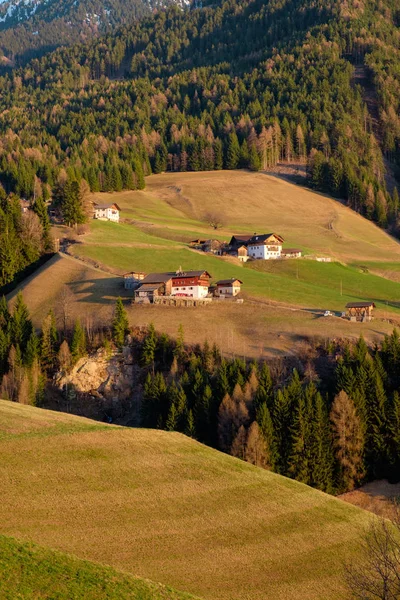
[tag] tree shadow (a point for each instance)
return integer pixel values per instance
(100, 290)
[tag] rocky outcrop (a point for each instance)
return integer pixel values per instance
(110, 376)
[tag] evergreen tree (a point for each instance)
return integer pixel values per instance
(233, 152)
(120, 325)
(149, 346)
(78, 344)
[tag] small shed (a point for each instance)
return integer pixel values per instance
(228, 287)
(360, 311)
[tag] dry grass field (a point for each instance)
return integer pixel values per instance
(290, 296)
(162, 506)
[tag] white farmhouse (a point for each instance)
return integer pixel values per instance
(106, 212)
(192, 284)
(266, 246)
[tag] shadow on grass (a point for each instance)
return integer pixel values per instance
(100, 291)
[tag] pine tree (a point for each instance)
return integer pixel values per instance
(21, 324)
(179, 350)
(300, 465)
(267, 431)
(48, 342)
(172, 419)
(190, 429)
(233, 152)
(32, 350)
(78, 344)
(120, 325)
(254, 159)
(149, 346)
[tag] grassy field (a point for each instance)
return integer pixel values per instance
(164, 507)
(29, 572)
(159, 221)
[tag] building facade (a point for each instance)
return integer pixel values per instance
(228, 287)
(265, 247)
(106, 212)
(193, 284)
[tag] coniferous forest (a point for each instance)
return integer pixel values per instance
(230, 85)
(330, 419)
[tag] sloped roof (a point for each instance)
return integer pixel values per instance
(148, 287)
(105, 206)
(241, 238)
(260, 239)
(185, 274)
(360, 304)
(158, 277)
(290, 250)
(228, 281)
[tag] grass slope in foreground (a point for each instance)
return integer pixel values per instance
(28, 572)
(162, 506)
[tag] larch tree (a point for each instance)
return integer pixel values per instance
(348, 441)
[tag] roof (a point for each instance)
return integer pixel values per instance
(290, 250)
(260, 239)
(148, 287)
(185, 274)
(131, 273)
(360, 304)
(242, 238)
(105, 206)
(228, 281)
(158, 277)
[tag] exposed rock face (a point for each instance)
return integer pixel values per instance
(110, 377)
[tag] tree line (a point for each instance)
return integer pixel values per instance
(332, 430)
(233, 85)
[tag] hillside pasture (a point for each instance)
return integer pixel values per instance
(29, 572)
(162, 506)
(249, 202)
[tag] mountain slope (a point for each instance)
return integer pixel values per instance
(28, 571)
(238, 84)
(32, 27)
(163, 506)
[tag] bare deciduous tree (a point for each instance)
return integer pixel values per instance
(377, 575)
(214, 219)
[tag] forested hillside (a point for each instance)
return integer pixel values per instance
(33, 27)
(239, 84)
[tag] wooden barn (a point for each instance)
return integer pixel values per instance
(360, 311)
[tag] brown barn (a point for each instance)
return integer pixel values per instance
(360, 311)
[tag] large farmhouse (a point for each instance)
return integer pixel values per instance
(193, 284)
(189, 288)
(266, 246)
(106, 212)
(263, 246)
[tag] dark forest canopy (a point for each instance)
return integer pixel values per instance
(239, 84)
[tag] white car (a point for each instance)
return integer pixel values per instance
(328, 313)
